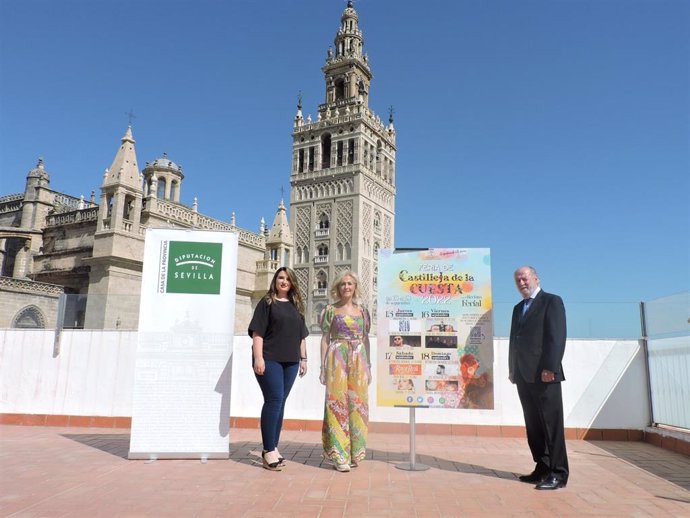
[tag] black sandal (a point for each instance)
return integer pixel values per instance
(272, 466)
(281, 459)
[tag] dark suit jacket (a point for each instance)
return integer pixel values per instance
(537, 341)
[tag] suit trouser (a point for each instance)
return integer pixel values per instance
(542, 406)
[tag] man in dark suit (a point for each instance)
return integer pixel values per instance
(537, 344)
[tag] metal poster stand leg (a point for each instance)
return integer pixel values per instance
(413, 465)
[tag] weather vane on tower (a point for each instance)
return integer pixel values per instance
(130, 116)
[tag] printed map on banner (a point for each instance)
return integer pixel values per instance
(435, 328)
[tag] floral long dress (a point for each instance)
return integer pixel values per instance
(346, 412)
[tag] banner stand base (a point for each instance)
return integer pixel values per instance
(413, 465)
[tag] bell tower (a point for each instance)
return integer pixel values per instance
(342, 203)
(118, 245)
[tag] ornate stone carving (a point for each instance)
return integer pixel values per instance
(27, 286)
(365, 281)
(344, 222)
(387, 231)
(303, 224)
(303, 281)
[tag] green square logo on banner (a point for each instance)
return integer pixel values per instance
(194, 267)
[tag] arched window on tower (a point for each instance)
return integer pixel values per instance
(326, 151)
(339, 252)
(351, 151)
(128, 208)
(379, 158)
(321, 280)
(173, 190)
(324, 221)
(348, 252)
(339, 89)
(339, 153)
(160, 194)
(323, 250)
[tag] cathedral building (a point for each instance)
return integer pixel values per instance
(64, 258)
(79, 262)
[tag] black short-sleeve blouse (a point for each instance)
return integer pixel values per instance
(282, 328)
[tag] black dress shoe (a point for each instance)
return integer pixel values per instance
(551, 482)
(536, 476)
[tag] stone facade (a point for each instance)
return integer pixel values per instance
(28, 304)
(90, 253)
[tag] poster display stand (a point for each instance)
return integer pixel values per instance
(413, 465)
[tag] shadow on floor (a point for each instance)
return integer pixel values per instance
(671, 466)
(114, 443)
(309, 454)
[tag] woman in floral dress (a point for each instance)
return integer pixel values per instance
(346, 373)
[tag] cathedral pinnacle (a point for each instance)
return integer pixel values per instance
(124, 169)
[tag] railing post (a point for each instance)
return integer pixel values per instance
(645, 349)
(62, 303)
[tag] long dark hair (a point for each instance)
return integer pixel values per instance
(293, 295)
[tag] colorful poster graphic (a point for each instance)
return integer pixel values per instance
(435, 328)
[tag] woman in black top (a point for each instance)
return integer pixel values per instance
(279, 352)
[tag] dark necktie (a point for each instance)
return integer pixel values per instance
(525, 307)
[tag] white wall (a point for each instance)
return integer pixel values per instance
(93, 373)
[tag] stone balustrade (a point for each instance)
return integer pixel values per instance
(187, 217)
(72, 217)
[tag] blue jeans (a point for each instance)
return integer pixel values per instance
(275, 384)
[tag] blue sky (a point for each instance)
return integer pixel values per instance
(555, 132)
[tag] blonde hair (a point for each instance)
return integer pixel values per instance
(335, 289)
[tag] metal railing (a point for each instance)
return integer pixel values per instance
(666, 332)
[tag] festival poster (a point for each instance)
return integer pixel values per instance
(435, 328)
